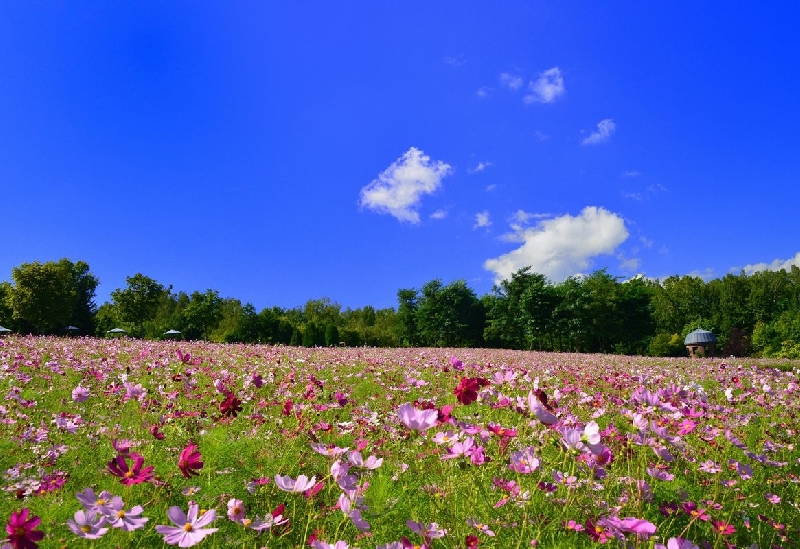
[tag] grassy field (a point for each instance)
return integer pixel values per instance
(357, 447)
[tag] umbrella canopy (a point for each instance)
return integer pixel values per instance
(116, 331)
(4, 330)
(171, 332)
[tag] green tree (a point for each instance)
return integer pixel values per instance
(139, 301)
(408, 305)
(204, 312)
(450, 316)
(6, 312)
(48, 296)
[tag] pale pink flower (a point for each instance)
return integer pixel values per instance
(417, 420)
(288, 484)
(188, 529)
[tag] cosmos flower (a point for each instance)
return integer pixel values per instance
(117, 517)
(21, 530)
(87, 524)
(288, 484)
(189, 461)
(188, 529)
(130, 475)
(417, 420)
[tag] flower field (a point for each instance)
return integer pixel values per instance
(128, 443)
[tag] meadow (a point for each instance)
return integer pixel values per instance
(130, 443)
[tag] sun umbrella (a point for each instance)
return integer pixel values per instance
(116, 331)
(4, 330)
(171, 332)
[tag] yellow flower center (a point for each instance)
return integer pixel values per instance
(86, 529)
(129, 474)
(120, 514)
(247, 522)
(100, 501)
(187, 527)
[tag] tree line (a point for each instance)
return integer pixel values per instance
(751, 315)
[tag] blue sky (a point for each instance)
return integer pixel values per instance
(278, 153)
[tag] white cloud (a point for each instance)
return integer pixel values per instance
(562, 246)
(546, 88)
(510, 81)
(632, 173)
(439, 214)
(604, 130)
(775, 265)
(482, 220)
(400, 187)
(455, 61)
(483, 92)
(541, 136)
(490, 188)
(480, 167)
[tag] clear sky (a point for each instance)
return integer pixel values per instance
(278, 153)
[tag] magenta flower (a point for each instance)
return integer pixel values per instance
(189, 461)
(87, 524)
(188, 529)
(723, 528)
(539, 410)
(417, 420)
(677, 543)
(130, 475)
(21, 530)
(524, 461)
(288, 484)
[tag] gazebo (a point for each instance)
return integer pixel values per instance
(701, 343)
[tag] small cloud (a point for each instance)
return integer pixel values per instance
(457, 61)
(546, 88)
(629, 264)
(510, 81)
(706, 274)
(490, 188)
(646, 242)
(774, 265)
(482, 220)
(604, 130)
(657, 188)
(541, 136)
(562, 246)
(480, 167)
(439, 214)
(483, 92)
(663, 250)
(399, 189)
(634, 196)
(632, 173)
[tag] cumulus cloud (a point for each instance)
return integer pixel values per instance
(775, 265)
(510, 81)
(604, 130)
(399, 189)
(562, 246)
(439, 214)
(546, 88)
(483, 92)
(482, 220)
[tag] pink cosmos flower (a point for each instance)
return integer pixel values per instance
(21, 530)
(538, 410)
(723, 528)
(130, 475)
(524, 461)
(357, 460)
(236, 510)
(189, 461)
(80, 394)
(417, 420)
(188, 529)
(322, 545)
(87, 524)
(677, 543)
(288, 484)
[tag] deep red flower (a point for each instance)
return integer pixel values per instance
(130, 475)
(287, 407)
(467, 391)
(21, 530)
(472, 541)
(189, 461)
(231, 406)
